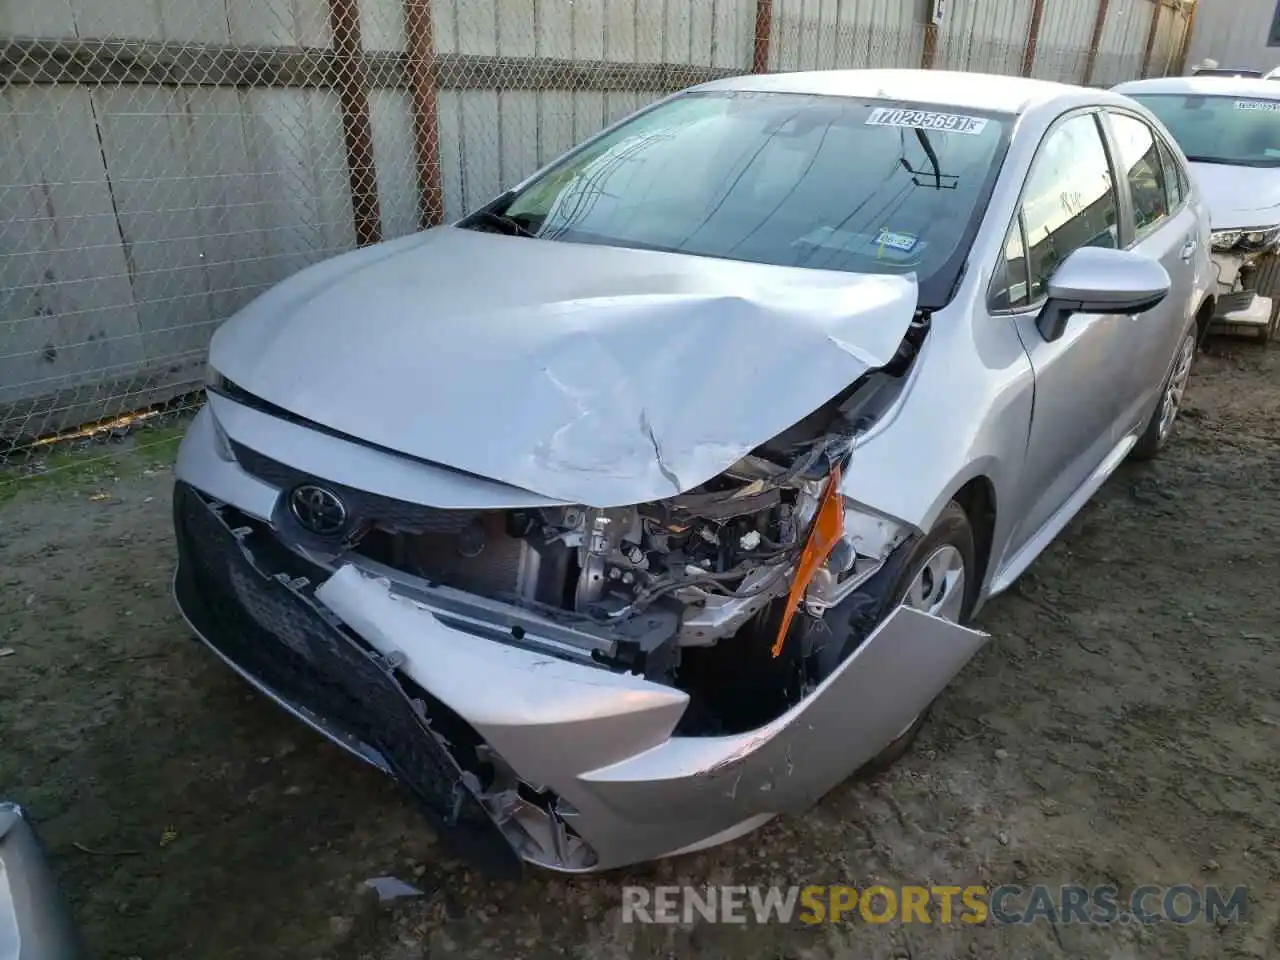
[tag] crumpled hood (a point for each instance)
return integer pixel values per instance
(594, 375)
(1239, 196)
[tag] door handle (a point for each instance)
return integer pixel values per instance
(1189, 249)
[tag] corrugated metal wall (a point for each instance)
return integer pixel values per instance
(826, 34)
(164, 161)
(992, 33)
(1123, 43)
(1066, 30)
(1235, 33)
(490, 139)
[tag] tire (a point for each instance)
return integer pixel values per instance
(1158, 432)
(889, 589)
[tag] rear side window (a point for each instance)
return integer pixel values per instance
(1138, 159)
(1070, 201)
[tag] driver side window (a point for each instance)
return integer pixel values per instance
(1070, 202)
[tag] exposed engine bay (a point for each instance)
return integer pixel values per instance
(657, 588)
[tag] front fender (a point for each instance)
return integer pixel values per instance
(964, 413)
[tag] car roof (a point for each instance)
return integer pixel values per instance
(1254, 87)
(977, 91)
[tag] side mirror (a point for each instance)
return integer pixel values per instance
(1101, 280)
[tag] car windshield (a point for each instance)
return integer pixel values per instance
(795, 180)
(1238, 130)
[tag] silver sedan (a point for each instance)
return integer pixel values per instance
(654, 498)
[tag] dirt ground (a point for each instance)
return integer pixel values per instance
(1121, 727)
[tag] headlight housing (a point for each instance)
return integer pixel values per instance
(1249, 240)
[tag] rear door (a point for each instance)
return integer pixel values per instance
(1160, 225)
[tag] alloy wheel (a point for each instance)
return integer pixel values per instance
(1176, 388)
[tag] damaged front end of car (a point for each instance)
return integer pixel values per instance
(572, 685)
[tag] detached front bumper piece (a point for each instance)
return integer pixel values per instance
(516, 754)
(1248, 288)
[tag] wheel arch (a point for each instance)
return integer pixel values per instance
(1204, 317)
(977, 497)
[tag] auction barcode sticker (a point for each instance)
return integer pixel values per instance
(1269, 105)
(926, 120)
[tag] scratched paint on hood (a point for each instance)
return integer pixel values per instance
(589, 374)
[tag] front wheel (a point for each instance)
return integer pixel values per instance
(1165, 416)
(938, 577)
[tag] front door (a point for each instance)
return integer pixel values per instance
(1070, 201)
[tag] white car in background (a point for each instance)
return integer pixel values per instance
(1229, 128)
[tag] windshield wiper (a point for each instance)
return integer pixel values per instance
(937, 174)
(492, 218)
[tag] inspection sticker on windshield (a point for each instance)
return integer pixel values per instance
(926, 120)
(906, 242)
(1271, 106)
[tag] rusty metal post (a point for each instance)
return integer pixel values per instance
(423, 90)
(1033, 37)
(929, 55)
(1099, 25)
(1188, 26)
(764, 30)
(1156, 7)
(352, 82)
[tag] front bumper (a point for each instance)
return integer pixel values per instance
(582, 770)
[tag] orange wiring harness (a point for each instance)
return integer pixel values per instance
(828, 528)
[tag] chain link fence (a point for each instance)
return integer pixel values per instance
(162, 162)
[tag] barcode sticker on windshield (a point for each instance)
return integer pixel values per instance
(1270, 106)
(926, 120)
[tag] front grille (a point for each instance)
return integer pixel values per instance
(361, 505)
(250, 598)
(424, 541)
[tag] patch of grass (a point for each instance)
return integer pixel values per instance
(94, 463)
(160, 444)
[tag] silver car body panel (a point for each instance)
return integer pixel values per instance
(582, 373)
(1009, 377)
(35, 923)
(603, 741)
(585, 412)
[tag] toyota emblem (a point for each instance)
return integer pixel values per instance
(318, 510)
